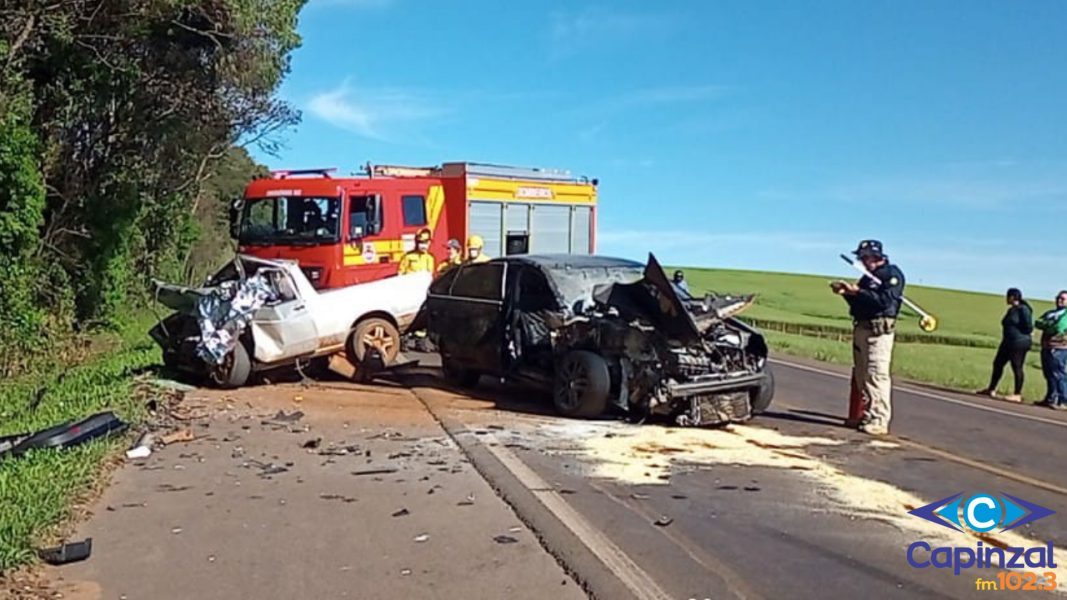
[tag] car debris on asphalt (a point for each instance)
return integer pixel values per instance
(374, 472)
(182, 435)
(142, 448)
(67, 553)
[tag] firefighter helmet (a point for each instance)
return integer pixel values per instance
(423, 236)
(475, 242)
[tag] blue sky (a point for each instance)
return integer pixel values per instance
(748, 134)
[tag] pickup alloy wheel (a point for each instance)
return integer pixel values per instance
(374, 333)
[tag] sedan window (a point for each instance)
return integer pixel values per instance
(482, 281)
(440, 285)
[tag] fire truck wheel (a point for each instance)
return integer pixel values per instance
(235, 369)
(373, 332)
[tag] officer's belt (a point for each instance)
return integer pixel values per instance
(879, 325)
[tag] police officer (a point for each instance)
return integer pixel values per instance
(476, 250)
(455, 256)
(419, 259)
(874, 308)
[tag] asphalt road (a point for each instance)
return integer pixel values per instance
(791, 505)
(515, 501)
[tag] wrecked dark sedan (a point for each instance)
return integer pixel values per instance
(600, 332)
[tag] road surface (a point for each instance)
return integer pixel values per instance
(790, 505)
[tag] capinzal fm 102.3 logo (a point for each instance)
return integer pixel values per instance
(981, 513)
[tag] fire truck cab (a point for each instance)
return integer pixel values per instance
(348, 230)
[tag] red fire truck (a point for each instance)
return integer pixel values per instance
(346, 230)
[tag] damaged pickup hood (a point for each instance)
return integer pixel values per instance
(654, 299)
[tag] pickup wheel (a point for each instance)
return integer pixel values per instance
(761, 396)
(582, 385)
(235, 369)
(376, 333)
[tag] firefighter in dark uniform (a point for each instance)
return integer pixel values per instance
(874, 308)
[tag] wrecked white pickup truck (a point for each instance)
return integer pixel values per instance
(255, 315)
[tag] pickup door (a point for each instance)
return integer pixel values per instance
(285, 329)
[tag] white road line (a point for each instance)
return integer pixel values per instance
(631, 575)
(925, 394)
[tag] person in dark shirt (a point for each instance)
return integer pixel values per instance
(874, 306)
(1015, 342)
(679, 280)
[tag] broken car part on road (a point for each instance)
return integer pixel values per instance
(600, 331)
(67, 553)
(104, 424)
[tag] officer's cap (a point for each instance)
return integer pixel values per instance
(872, 248)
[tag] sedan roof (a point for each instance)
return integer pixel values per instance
(573, 261)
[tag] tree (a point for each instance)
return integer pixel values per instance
(125, 108)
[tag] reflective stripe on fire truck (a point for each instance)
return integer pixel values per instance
(505, 190)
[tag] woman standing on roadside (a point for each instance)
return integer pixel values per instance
(1015, 342)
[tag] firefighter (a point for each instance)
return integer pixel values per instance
(874, 308)
(419, 259)
(455, 256)
(475, 247)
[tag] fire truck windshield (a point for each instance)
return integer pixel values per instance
(291, 220)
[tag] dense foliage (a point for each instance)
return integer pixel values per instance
(122, 127)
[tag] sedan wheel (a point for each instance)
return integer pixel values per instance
(582, 385)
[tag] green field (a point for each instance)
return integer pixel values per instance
(802, 317)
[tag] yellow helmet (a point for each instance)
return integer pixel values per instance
(475, 242)
(423, 235)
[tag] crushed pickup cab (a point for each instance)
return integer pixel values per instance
(257, 314)
(601, 332)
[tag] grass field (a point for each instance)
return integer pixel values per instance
(802, 317)
(36, 490)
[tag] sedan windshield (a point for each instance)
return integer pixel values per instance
(576, 285)
(291, 220)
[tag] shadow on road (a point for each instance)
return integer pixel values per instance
(804, 416)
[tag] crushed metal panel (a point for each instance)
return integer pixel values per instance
(653, 299)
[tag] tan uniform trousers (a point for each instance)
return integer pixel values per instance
(871, 358)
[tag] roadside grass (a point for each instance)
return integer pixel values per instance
(965, 369)
(806, 299)
(37, 491)
(800, 316)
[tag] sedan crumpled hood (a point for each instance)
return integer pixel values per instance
(653, 299)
